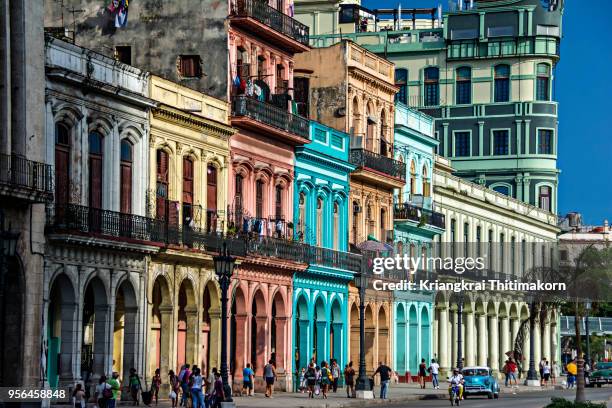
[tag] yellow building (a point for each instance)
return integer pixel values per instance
(187, 197)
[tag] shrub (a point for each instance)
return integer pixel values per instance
(563, 403)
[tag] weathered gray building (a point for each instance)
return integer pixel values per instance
(182, 41)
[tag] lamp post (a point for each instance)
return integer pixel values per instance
(8, 249)
(532, 376)
(363, 383)
(224, 268)
(587, 357)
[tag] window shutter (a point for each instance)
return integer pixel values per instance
(211, 193)
(62, 180)
(95, 181)
(187, 180)
(126, 188)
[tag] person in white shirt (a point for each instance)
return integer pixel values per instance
(434, 369)
(456, 379)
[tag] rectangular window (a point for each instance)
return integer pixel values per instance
(464, 92)
(545, 139)
(320, 136)
(190, 66)
(501, 31)
(501, 144)
(259, 187)
(337, 141)
(123, 53)
(462, 144)
(301, 91)
(401, 81)
(432, 97)
(278, 207)
(464, 34)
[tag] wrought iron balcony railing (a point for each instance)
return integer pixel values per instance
(421, 215)
(270, 115)
(334, 259)
(273, 18)
(17, 172)
(378, 162)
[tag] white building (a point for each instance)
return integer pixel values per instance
(97, 138)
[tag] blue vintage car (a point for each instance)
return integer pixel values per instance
(479, 381)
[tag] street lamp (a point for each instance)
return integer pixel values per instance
(363, 383)
(8, 249)
(224, 268)
(532, 376)
(587, 357)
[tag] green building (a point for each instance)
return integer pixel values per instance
(484, 72)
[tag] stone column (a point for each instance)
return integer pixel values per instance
(102, 322)
(214, 353)
(454, 337)
(470, 356)
(443, 339)
(166, 333)
(482, 340)
(516, 324)
(526, 352)
(262, 342)
(193, 343)
(240, 357)
(281, 328)
(546, 343)
(505, 339)
(537, 342)
(493, 343)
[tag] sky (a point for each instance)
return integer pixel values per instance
(583, 80)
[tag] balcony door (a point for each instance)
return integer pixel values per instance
(96, 156)
(211, 198)
(62, 165)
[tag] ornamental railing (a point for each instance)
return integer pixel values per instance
(270, 115)
(334, 259)
(378, 162)
(273, 18)
(421, 215)
(19, 172)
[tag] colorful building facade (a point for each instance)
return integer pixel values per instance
(321, 213)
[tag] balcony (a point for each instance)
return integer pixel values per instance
(25, 179)
(376, 168)
(262, 117)
(334, 259)
(493, 48)
(422, 216)
(256, 16)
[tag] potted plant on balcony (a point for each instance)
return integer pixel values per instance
(422, 220)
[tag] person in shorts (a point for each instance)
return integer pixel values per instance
(269, 377)
(545, 374)
(247, 380)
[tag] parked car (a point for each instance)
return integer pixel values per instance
(602, 374)
(479, 381)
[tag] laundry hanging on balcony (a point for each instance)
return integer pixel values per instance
(119, 9)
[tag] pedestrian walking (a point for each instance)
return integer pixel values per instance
(511, 369)
(218, 391)
(197, 396)
(326, 378)
(422, 373)
(555, 372)
(349, 380)
(135, 385)
(318, 380)
(434, 369)
(269, 377)
(115, 387)
(155, 385)
(247, 380)
(103, 392)
(385, 375)
(303, 380)
(335, 369)
(78, 396)
(184, 375)
(311, 380)
(572, 371)
(545, 373)
(174, 388)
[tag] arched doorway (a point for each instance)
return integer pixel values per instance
(60, 330)
(96, 314)
(259, 320)
(210, 328)
(124, 331)
(319, 331)
(400, 340)
(370, 334)
(425, 335)
(302, 325)
(413, 340)
(12, 341)
(383, 336)
(238, 332)
(336, 333)
(354, 346)
(187, 320)
(277, 331)
(161, 329)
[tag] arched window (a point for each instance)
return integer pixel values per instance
(545, 198)
(301, 227)
(401, 81)
(400, 198)
(413, 179)
(96, 156)
(259, 198)
(432, 86)
(319, 221)
(543, 83)
(370, 130)
(503, 189)
(62, 164)
(161, 192)
(502, 83)
(356, 220)
(384, 150)
(278, 203)
(126, 177)
(336, 229)
(369, 220)
(356, 135)
(211, 198)
(383, 225)
(426, 188)
(464, 86)
(188, 213)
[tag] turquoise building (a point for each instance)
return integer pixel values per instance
(415, 226)
(321, 205)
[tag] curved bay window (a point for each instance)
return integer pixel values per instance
(432, 86)
(126, 177)
(502, 83)
(464, 86)
(96, 156)
(319, 222)
(211, 198)
(62, 164)
(161, 187)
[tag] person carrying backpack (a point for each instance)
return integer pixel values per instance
(103, 392)
(311, 379)
(326, 378)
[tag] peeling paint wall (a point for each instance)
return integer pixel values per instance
(158, 31)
